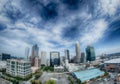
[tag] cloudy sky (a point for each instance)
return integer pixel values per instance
(58, 24)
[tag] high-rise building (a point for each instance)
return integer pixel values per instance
(43, 58)
(17, 67)
(27, 52)
(90, 53)
(67, 55)
(35, 51)
(48, 62)
(83, 59)
(54, 59)
(34, 58)
(62, 59)
(78, 54)
(4, 56)
(37, 62)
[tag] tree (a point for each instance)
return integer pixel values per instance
(32, 81)
(36, 82)
(78, 81)
(71, 81)
(38, 75)
(50, 82)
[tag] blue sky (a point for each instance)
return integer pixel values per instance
(58, 24)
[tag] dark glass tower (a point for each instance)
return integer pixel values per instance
(5, 56)
(90, 53)
(83, 59)
(54, 59)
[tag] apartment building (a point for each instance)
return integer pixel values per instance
(19, 68)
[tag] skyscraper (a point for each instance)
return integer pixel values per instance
(54, 59)
(37, 62)
(35, 50)
(83, 59)
(90, 53)
(34, 58)
(67, 55)
(78, 54)
(43, 58)
(27, 52)
(5, 56)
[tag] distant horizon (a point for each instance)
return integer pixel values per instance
(63, 54)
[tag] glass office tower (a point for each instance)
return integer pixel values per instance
(90, 53)
(54, 59)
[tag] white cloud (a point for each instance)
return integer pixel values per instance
(13, 46)
(94, 32)
(20, 25)
(2, 3)
(4, 19)
(109, 6)
(35, 20)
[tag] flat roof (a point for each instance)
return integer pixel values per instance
(19, 60)
(88, 74)
(113, 61)
(58, 67)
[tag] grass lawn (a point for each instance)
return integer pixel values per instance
(47, 68)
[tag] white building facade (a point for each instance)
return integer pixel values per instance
(19, 68)
(43, 58)
(78, 53)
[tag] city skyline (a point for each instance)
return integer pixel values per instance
(56, 25)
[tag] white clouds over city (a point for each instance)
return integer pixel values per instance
(22, 24)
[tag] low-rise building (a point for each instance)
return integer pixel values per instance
(58, 68)
(112, 65)
(3, 64)
(34, 69)
(117, 77)
(19, 68)
(71, 67)
(87, 75)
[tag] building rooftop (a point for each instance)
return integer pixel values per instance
(88, 74)
(74, 67)
(34, 69)
(113, 61)
(18, 60)
(3, 64)
(58, 67)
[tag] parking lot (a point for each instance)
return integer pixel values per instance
(58, 77)
(108, 80)
(105, 82)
